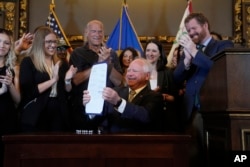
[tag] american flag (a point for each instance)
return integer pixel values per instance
(53, 24)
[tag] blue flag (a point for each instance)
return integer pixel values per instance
(124, 34)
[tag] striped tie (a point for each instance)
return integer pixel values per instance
(131, 95)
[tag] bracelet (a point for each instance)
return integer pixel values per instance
(67, 81)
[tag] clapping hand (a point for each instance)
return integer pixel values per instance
(55, 71)
(104, 54)
(7, 79)
(71, 72)
(188, 45)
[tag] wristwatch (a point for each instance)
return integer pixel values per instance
(67, 81)
(118, 103)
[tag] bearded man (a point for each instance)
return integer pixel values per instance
(194, 65)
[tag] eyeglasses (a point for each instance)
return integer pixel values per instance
(61, 49)
(50, 42)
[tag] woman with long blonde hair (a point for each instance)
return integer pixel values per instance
(40, 85)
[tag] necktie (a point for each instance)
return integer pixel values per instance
(200, 47)
(197, 102)
(131, 95)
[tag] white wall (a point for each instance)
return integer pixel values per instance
(150, 17)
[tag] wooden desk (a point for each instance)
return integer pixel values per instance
(109, 150)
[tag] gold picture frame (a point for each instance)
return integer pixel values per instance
(245, 139)
(2, 16)
(14, 16)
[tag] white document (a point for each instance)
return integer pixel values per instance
(153, 84)
(97, 81)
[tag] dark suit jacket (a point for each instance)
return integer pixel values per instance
(144, 113)
(166, 83)
(198, 71)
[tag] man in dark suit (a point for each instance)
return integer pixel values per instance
(193, 68)
(140, 113)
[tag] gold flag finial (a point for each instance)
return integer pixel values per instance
(52, 5)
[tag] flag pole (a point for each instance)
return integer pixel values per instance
(179, 32)
(52, 8)
(65, 38)
(52, 5)
(120, 32)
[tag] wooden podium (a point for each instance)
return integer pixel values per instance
(225, 105)
(104, 150)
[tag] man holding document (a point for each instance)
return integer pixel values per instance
(123, 111)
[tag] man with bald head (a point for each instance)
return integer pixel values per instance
(92, 52)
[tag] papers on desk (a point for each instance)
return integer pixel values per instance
(97, 81)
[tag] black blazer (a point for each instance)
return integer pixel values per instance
(33, 103)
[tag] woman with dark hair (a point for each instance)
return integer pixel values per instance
(125, 58)
(161, 80)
